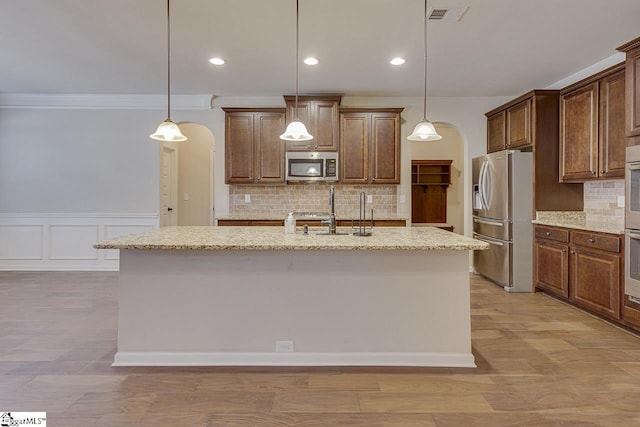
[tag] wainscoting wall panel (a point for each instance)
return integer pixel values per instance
(65, 241)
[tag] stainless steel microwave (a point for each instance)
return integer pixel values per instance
(312, 166)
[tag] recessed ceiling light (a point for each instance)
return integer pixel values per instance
(216, 61)
(311, 61)
(397, 61)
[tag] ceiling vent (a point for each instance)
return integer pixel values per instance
(446, 14)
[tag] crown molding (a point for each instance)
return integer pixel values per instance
(104, 101)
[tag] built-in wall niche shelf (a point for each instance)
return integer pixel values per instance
(431, 172)
(429, 182)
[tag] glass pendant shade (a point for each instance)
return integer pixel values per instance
(296, 131)
(168, 131)
(424, 131)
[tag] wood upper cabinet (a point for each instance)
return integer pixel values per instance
(632, 71)
(579, 133)
(496, 129)
(612, 137)
(531, 123)
(582, 267)
(320, 114)
(370, 146)
(254, 152)
(519, 125)
(592, 142)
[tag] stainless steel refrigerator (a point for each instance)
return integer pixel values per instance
(502, 214)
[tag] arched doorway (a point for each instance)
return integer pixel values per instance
(450, 147)
(193, 176)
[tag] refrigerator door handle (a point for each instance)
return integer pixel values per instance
(488, 240)
(488, 182)
(484, 221)
(481, 186)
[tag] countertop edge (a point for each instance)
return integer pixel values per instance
(586, 227)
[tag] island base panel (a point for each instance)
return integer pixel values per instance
(386, 308)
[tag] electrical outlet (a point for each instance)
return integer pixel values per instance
(369, 199)
(621, 201)
(247, 198)
(403, 198)
(284, 346)
(186, 196)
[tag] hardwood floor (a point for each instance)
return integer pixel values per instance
(540, 363)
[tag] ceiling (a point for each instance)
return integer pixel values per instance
(499, 48)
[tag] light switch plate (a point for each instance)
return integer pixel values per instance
(403, 198)
(369, 198)
(621, 201)
(247, 198)
(186, 196)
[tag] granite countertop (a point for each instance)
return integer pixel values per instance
(268, 216)
(274, 238)
(578, 221)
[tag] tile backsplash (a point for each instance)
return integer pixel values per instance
(601, 201)
(278, 200)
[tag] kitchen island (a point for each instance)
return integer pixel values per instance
(257, 296)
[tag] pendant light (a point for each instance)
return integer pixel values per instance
(168, 131)
(296, 130)
(424, 131)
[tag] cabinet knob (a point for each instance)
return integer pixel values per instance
(592, 240)
(603, 172)
(593, 173)
(573, 252)
(564, 250)
(548, 233)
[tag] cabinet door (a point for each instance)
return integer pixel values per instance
(612, 140)
(519, 125)
(633, 92)
(302, 113)
(552, 267)
(595, 281)
(269, 152)
(579, 134)
(428, 203)
(385, 148)
(354, 148)
(496, 128)
(324, 119)
(239, 134)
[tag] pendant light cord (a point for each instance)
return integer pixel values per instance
(168, 63)
(297, 54)
(424, 105)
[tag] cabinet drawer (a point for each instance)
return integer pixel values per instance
(596, 241)
(550, 233)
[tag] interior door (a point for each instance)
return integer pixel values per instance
(169, 186)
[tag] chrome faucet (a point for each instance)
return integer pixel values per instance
(331, 221)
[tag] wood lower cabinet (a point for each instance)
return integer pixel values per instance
(592, 140)
(552, 268)
(370, 146)
(595, 281)
(632, 71)
(254, 152)
(581, 267)
(320, 115)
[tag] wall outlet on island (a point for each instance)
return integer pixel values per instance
(621, 201)
(284, 346)
(247, 198)
(369, 198)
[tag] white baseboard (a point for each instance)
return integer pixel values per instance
(56, 241)
(454, 360)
